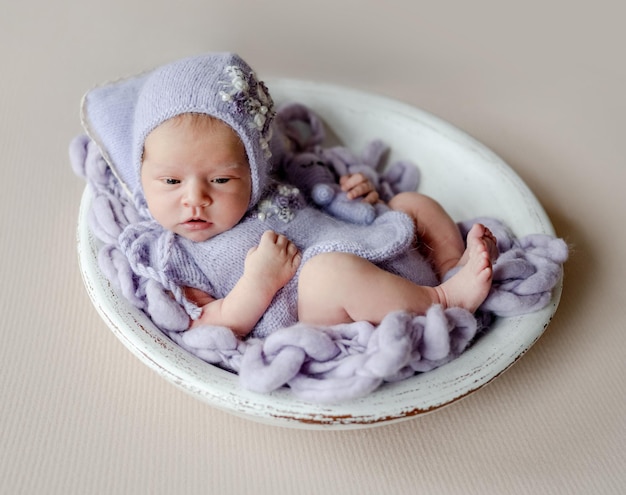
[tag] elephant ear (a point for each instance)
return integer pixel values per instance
(305, 170)
(301, 126)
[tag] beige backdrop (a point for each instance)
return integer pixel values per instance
(540, 82)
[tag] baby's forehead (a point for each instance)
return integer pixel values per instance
(195, 138)
(195, 119)
(198, 122)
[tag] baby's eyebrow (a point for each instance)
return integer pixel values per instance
(233, 166)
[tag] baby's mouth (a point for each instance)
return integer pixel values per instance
(196, 223)
(195, 220)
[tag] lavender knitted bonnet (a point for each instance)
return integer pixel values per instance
(119, 116)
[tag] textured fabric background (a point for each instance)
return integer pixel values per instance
(540, 82)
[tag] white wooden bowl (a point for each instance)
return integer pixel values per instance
(465, 176)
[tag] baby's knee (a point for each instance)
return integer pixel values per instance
(411, 201)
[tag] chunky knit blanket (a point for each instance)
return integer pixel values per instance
(323, 364)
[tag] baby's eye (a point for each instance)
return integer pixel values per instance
(171, 182)
(221, 180)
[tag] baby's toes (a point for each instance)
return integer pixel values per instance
(492, 244)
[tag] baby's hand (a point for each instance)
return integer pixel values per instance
(358, 185)
(196, 296)
(273, 262)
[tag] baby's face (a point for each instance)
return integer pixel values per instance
(195, 177)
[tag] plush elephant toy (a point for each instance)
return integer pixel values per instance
(316, 170)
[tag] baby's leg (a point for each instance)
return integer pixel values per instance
(441, 242)
(339, 287)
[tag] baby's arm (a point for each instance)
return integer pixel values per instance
(358, 185)
(268, 267)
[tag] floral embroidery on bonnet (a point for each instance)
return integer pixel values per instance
(250, 96)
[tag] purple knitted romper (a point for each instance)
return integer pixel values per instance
(119, 116)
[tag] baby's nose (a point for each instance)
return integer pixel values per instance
(196, 195)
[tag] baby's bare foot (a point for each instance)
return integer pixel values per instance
(469, 287)
(479, 231)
